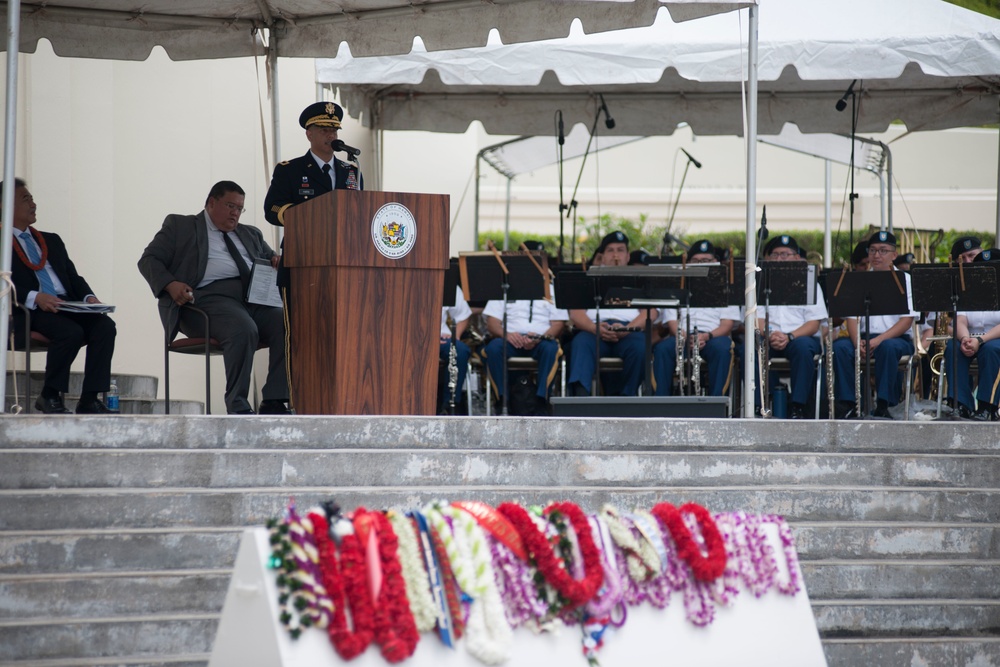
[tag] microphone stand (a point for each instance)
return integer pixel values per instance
(562, 206)
(571, 210)
(677, 198)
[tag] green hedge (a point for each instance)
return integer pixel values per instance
(643, 235)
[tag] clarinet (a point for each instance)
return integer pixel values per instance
(681, 338)
(830, 394)
(857, 371)
(763, 355)
(695, 363)
(452, 372)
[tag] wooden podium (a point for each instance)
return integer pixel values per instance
(365, 327)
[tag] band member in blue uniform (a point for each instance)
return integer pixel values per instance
(888, 341)
(614, 341)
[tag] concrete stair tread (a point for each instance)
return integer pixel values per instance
(221, 468)
(130, 385)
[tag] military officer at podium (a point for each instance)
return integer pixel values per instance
(714, 339)
(616, 337)
(315, 173)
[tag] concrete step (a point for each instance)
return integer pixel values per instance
(943, 651)
(129, 385)
(145, 638)
(127, 406)
(123, 593)
(104, 550)
(72, 468)
(498, 434)
(81, 552)
(969, 617)
(116, 594)
(840, 540)
(128, 508)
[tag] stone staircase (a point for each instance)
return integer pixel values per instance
(137, 393)
(117, 535)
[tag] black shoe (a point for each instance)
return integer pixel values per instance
(245, 411)
(846, 410)
(51, 406)
(986, 413)
(273, 407)
(798, 411)
(965, 412)
(881, 411)
(94, 406)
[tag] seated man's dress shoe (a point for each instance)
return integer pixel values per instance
(94, 406)
(273, 407)
(51, 406)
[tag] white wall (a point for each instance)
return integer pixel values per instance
(110, 148)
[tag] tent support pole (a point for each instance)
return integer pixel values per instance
(272, 66)
(996, 238)
(827, 214)
(10, 137)
(475, 217)
(506, 217)
(750, 315)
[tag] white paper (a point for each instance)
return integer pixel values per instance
(264, 284)
(84, 307)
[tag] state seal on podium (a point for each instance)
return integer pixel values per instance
(394, 230)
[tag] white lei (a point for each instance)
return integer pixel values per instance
(414, 575)
(489, 637)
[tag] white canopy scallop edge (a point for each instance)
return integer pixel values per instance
(196, 29)
(926, 62)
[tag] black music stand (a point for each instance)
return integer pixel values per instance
(866, 294)
(484, 277)
(781, 284)
(941, 288)
(648, 287)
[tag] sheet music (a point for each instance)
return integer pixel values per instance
(263, 288)
(84, 307)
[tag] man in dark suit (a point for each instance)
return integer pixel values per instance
(315, 173)
(193, 259)
(45, 277)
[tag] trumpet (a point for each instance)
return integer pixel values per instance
(695, 364)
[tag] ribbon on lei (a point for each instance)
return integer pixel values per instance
(439, 590)
(496, 523)
(364, 526)
(705, 567)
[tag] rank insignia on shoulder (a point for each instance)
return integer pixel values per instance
(284, 163)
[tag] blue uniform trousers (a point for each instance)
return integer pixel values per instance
(800, 353)
(885, 365)
(988, 357)
(546, 353)
(717, 353)
(631, 349)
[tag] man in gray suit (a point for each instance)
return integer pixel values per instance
(196, 259)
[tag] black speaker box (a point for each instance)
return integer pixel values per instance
(677, 407)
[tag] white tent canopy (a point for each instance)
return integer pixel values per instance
(195, 29)
(192, 29)
(926, 62)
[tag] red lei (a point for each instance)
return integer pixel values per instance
(40, 240)
(395, 629)
(705, 568)
(345, 584)
(577, 593)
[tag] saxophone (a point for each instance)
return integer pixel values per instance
(940, 341)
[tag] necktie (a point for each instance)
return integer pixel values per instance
(241, 264)
(328, 170)
(44, 280)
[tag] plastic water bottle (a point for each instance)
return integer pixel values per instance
(111, 397)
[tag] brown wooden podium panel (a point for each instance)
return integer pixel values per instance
(365, 329)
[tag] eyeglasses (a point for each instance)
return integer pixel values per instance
(880, 251)
(783, 255)
(234, 207)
